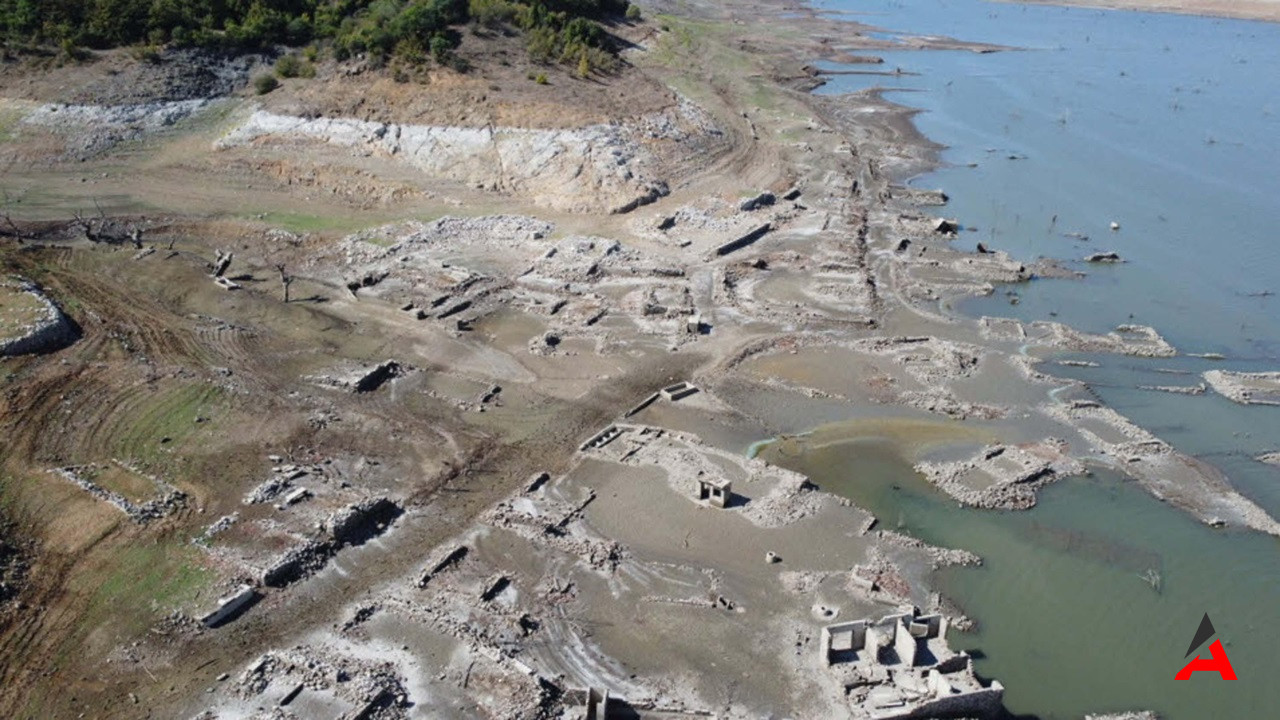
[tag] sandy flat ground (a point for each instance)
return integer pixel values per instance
(1268, 10)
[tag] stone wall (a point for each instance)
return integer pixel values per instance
(983, 703)
(53, 331)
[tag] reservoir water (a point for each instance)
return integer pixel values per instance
(1068, 619)
(1170, 126)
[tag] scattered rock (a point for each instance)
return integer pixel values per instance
(1104, 257)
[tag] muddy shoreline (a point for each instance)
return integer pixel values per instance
(1266, 10)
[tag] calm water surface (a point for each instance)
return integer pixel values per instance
(1170, 126)
(1068, 621)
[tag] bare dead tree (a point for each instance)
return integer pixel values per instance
(222, 263)
(87, 227)
(8, 228)
(105, 229)
(285, 280)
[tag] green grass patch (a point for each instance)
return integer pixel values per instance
(305, 222)
(131, 485)
(18, 309)
(144, 583)
(680, 38)
(9, 120)
(172, 414)
(157, 577)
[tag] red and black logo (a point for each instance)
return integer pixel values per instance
(1217, 660)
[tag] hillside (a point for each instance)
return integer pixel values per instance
(414, 32)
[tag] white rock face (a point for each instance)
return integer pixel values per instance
(146, 116)
(590, 169)
(90, 130)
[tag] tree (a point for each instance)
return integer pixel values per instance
(285, 280)
(265, 83)
(8, 228)
(441, 48)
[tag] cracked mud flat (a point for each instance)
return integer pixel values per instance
(445, 539)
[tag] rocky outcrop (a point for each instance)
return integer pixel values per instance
(90, 130)
(1246, 388)
(52, 331)
(1104, 257)
(598, 168)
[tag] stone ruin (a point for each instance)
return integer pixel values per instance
(167, 500)
(715, 491)
(901, 667)
(230, 607)
(679, 391)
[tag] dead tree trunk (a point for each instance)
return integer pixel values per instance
(86, 226)
(222, 262)
(285, 280)
(10, 229)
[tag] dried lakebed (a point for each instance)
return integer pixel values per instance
(494, 457)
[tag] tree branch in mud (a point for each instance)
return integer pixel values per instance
(86, 226)
(222, 262)
(106, 229)
(285, 280)
(8, 228)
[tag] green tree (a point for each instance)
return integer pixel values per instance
(265, 83)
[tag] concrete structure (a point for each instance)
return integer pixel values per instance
(229, 606)
(900, 667)
(693, 325)
(678, 391)
(597, 703)
(651, 399)
(905, 645)
(715, 491)
(295, 496)
(602, 438)
(844, 642)
(744, 240)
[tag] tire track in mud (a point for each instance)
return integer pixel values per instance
(442, 508)
(136, 360)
